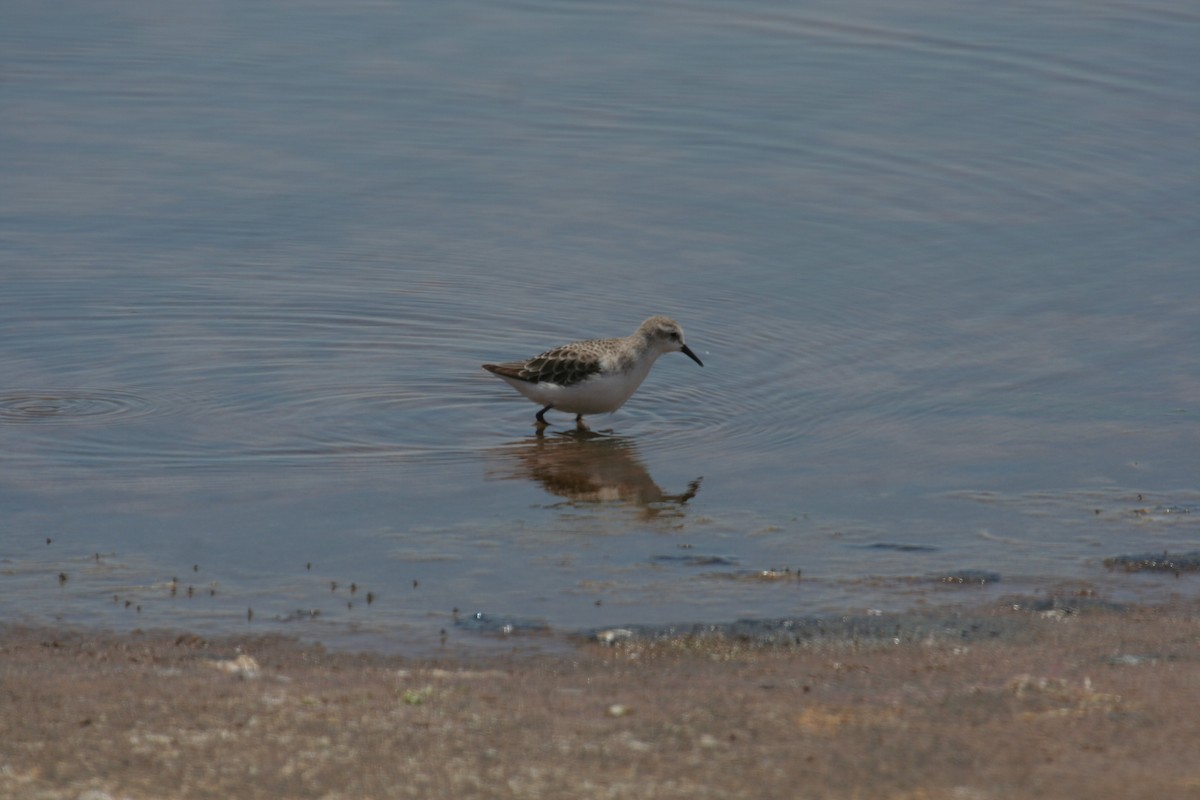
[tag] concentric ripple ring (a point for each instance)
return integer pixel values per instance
(68, 406)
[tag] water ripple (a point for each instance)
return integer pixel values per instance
(69, 406)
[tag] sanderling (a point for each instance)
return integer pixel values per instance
(593, 376)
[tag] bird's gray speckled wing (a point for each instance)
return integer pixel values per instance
(564, 366)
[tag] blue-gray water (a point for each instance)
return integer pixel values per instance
(941, 261)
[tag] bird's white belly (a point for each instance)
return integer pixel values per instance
(598, 394)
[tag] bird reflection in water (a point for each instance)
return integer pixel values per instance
(586, 467)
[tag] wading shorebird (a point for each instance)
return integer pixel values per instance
(594, 376)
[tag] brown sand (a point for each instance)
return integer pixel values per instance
(1097, 705)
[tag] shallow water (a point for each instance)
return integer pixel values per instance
(940, 264)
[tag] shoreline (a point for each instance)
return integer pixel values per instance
(1093, 702)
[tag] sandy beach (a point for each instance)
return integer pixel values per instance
(1095, 703)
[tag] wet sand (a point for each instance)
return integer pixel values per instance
(1098, 704)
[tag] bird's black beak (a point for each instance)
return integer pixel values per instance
(687, 351)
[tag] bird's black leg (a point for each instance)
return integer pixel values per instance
(541, 419)
(579, 422)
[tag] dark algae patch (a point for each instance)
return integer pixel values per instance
(800, 631)
(966, 577)
(1156, 562)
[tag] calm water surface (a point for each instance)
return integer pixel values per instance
(940, 261)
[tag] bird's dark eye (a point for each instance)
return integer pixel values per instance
(674, 335)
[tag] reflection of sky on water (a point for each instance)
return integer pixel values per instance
(939, 266)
